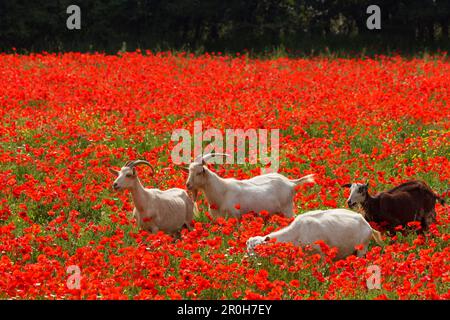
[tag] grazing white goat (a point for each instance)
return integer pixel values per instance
(340, 228)
(272, 192)
(155, 209)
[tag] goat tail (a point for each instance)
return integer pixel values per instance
(376, 235)
(305, 179)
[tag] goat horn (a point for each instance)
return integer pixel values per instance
(128, 163)
(135, 163)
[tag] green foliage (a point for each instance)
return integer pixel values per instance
(264, 26)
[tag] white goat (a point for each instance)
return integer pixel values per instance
(155, 209)
(272, 192)
(340, 228)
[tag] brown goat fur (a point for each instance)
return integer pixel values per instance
(411, 201)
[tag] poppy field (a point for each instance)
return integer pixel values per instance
(67, 118)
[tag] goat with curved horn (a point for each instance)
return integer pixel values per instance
(271, 192)
(166, 210)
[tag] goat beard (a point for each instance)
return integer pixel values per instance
(194, 194)
(360, 210)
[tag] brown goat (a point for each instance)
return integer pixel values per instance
(411, 201)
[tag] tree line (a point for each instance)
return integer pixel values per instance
(226, 25)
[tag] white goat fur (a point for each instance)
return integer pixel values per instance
(340, 228)
(272, 192)
(155, 209)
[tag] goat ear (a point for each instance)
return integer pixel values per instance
(347, 185)
(267, 238)
(114, 172)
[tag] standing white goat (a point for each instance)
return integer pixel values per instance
(272, 192)
(155, 209)
(340, 228)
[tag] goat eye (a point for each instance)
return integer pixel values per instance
(129, 175)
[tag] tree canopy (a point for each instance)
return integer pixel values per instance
(213, 25)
